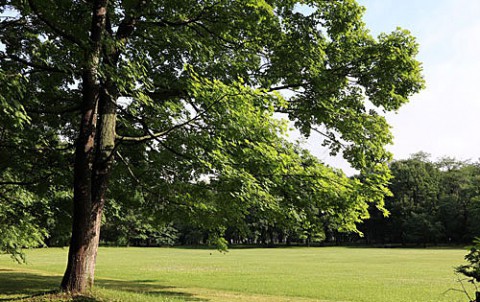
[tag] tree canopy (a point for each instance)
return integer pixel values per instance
(173, 103)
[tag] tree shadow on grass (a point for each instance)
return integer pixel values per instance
(148, 287)
(16, 285)
(20, 285)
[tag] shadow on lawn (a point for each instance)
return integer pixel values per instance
(19, 284)
(16, 285)
(148, 287)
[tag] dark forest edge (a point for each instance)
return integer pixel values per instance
(434, 203)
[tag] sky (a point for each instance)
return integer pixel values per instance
(444, 118)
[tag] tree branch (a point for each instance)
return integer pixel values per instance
(17, 183)
(165, 23)
(26, 183)
(152, 135)
(129, 169)
(180, 23)
(288, 86)
(31, 64)
(204, 27)
(53, 27)
(173, 150)
(6, 23)
(74, 108)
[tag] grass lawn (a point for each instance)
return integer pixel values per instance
(278, 274)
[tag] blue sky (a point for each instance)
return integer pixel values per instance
(444, 119)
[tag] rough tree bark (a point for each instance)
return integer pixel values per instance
(93, 160)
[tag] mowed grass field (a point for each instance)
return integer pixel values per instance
(276, 274)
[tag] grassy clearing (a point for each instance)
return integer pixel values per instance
(279, 274)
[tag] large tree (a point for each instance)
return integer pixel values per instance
(197, 78)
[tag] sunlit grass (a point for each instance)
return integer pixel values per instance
(278, 274)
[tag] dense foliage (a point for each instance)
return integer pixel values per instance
(472, 269)
(432, 202)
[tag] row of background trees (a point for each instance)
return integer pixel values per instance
(432, 202)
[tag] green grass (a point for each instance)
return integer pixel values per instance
(279, 274)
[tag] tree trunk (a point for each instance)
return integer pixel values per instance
(86, 223)
(93, 158)
(91, 182)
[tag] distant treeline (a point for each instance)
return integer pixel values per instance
(432, 202)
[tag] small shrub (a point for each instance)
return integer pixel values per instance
(472, 269)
